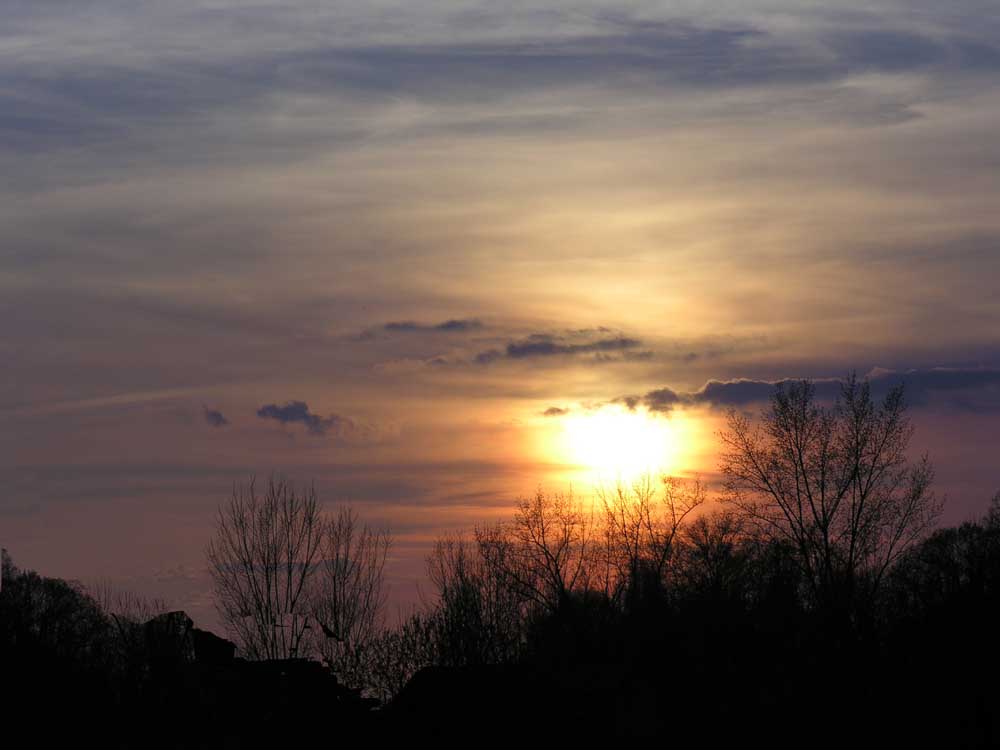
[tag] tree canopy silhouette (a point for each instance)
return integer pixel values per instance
(348, 595)
(262, 560)
(833, 481)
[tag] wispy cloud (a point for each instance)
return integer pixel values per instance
(545, 345)
(452, 325)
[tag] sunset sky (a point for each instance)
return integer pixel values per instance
(431, 255)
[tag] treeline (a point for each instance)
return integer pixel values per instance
(815, 603)
(66, 656)
(704, 630)
(96, 667)
(644, 626)
(707, 630)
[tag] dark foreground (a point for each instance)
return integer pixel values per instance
(705, 682)
(738, 658)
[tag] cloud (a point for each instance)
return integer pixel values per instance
(125, 93)
(459, 325)
(555, 411)
(490, 355)
(139, 105)
(737, 392)
(964, 388)
(969, 388)
(663, 399)
(542, 345)
(298, 411)
(453, 325)
(215, 417)
(920, 386)
(629, 401)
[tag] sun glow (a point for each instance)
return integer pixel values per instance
(614, 443)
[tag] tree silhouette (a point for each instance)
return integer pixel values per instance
(477, 617)
(400, 652)
(834, 482)
(348, 595)
(262, 560)
(546, 552)
(641, 526)
(715, 557)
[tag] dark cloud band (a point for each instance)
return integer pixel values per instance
(971, 388)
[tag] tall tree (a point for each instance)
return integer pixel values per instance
(262, 561)
(834, 481)
(349, 595)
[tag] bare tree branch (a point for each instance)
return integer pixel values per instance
(264, 555)
(833, 481)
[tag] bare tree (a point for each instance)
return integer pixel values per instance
(126, 612)
(477, 617)
(641, 524)
(400, 652)
(834, 482)
(547, 552)
(262, 560)
(122, 606)
(349, 595)
(714, 553)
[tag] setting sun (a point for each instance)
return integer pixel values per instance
(615, 443)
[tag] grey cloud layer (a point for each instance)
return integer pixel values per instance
(964, 388)
(99, 101)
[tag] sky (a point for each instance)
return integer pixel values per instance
(411, 252)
